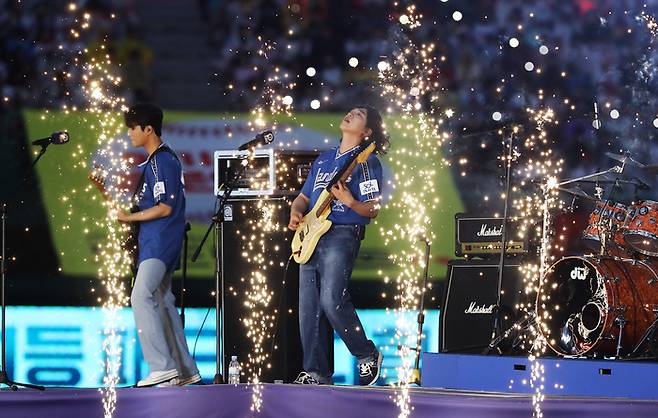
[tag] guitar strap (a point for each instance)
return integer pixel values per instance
(142, 178)
(134, 226)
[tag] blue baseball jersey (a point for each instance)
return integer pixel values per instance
(365, 183)
(163, 183)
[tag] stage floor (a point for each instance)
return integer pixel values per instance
(292, 401)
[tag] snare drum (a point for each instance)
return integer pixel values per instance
(641, 232)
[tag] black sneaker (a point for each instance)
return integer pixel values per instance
(369, 372)
(305, 379)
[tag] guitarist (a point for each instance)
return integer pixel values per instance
(323, 280)
(161, 218)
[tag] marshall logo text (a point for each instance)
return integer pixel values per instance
(475, 309)
(485, 231)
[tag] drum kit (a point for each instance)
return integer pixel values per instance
(604, 303)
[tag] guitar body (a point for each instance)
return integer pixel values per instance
(310, 231)
(130, 241)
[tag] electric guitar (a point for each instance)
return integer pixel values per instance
(315, 223)
(129, 243)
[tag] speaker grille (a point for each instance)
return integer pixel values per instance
(467, 317)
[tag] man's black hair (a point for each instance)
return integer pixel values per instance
(379, 135)
(143, 115)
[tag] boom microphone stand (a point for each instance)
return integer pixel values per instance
(503, 247)
(4, 376)
(217, 223)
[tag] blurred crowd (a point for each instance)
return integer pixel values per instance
(580, 51)
(37, 50)
(501, 57)
(318, 34)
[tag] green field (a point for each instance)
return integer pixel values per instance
(71, 210)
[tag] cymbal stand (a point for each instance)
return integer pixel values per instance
(616, 169)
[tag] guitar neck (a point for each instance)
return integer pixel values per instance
(330, 197)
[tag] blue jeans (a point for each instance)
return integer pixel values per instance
(323, 294)
(159, 325)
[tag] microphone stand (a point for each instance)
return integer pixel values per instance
(415, 373)
(501, 263)
(217, 223)
(188, 227)
(4, 376)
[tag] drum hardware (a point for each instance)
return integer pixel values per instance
(648, 336)
(620, 321)
(598, 192)
(522, 324)
(617, 309)
(598, 177)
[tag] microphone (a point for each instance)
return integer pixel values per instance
(56, 138)
(596, 123)
(263, 138)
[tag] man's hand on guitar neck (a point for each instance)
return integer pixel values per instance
(368, 209)
(342, 193)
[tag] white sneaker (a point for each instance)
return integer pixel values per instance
(156, 378)
(169, 383)
(184, 381)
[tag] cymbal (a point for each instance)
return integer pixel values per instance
(577, 191)
(625, 159)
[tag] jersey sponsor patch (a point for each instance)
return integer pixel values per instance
(158, 189)
(369, 187)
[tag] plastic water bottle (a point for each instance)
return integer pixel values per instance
(234, 371)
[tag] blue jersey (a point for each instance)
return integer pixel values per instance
(162, 238)
(365, 183)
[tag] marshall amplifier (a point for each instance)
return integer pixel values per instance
(482, 236)
(467, 311)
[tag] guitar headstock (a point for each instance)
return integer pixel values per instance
(97, 178)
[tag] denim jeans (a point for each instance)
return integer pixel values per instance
(159, 325)
(323, 294)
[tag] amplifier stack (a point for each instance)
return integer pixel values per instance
(469, 303)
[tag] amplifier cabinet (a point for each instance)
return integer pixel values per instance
(467, 312)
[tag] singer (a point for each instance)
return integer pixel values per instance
(160, 213)
(323, 280)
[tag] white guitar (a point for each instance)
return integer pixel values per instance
(315, 223)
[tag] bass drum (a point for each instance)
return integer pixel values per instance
(584, 301)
